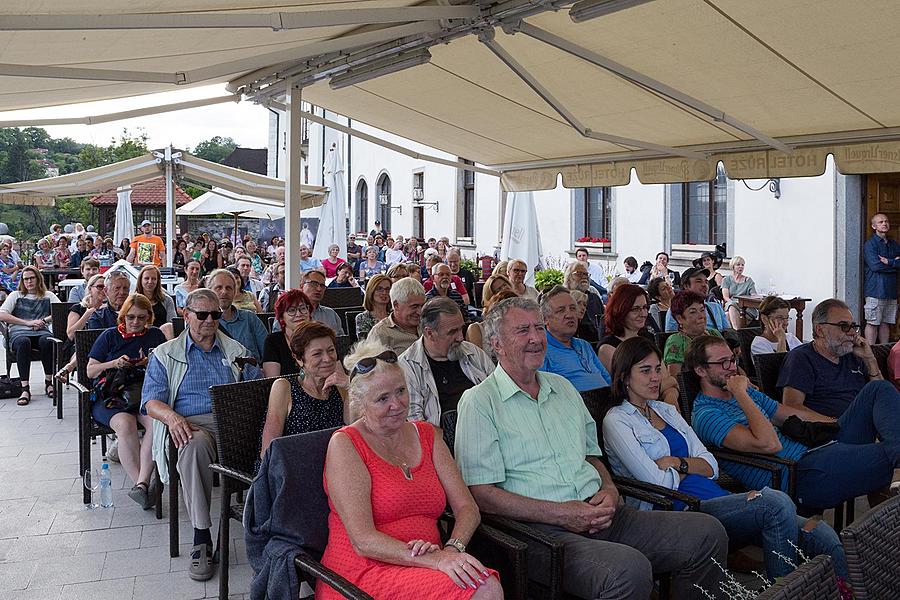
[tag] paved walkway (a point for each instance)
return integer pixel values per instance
(53, 549)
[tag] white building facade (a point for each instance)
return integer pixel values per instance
(805, 242)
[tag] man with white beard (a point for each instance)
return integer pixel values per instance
(440, 366)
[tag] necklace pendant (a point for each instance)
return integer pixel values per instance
(406, 472)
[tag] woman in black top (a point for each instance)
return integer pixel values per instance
(626, 317)
(291, 309)
(210, 259)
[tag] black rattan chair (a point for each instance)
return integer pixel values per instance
(342, 345)
(745, 336)
(881, 352)
(62, 349)
(448, 425)
(88, 428)
(350, 321)
(239, 410)
(813, 580)
(342, 297)
(768, 367)
(661, 338)
(177, 326)
(264, 317)
(872, 545)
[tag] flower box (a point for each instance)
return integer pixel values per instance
(604, 245)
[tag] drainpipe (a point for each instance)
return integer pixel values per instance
(277, 131)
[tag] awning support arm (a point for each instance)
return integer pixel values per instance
(487, 38)
(644, 81)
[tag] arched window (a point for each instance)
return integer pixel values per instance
(362, 206)
(384, 202)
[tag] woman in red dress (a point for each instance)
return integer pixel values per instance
(388, 480)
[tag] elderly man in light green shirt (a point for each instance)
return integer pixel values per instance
(527, 448)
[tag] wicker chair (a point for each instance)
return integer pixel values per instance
(264, 317)
(59, 315)
(342, 297)
(881, 352)
(661, 338)
(342, 345)
(768, 367)
(350, 321)
(746, 336)
(872, 545)
(448, 425)
(813, 580)
(178, 326)
(239, 410)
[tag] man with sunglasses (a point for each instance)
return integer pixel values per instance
(176, 394)
(728, 412)
(827, 374)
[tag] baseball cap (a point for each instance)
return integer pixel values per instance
(692, 272)
(146, 222)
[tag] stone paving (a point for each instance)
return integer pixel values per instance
(51, 548)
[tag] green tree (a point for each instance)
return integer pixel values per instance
(127, 146)
(76, 210)
(215, 149)
(18, 164)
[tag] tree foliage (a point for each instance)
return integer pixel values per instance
(215, 149)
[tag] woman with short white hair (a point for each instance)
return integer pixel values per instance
(734, 285)
(388, 480)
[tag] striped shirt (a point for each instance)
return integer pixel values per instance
(204, 369)
(531, 448)
(713, 418)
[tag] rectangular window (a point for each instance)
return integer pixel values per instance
(465, 208)
(705, 211)
(593, 213)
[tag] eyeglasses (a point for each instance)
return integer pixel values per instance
(205, 314)
(314, 284)
(99, 286)
(845, 326)
(29, 278)
(365, 365)
(137, 317)
(638, 309)
(725, 363)
(297, 310)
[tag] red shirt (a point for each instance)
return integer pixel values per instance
(456, 284)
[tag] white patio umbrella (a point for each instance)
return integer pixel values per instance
(219, 202)
(124, 216)
(332, 222)
(521, 235)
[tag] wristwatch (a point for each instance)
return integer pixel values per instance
(682, 465)
(454, 542)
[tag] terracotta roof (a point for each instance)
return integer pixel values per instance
(248, 159)
(148, 193)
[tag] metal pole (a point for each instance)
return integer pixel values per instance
(170, 207)
(293, 173)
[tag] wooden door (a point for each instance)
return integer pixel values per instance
(882, 196)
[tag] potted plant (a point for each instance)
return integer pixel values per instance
(547, 278)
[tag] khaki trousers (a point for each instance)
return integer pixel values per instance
(193, 469)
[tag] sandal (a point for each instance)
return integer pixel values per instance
(24, 399)
(140, 494)
(49, 388)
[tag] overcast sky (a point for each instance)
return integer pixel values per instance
(245, 122)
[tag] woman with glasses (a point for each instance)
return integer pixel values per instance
(126, 349)
(27, 312)
(314, 397)
(291, 309)
(377, 303)
(77, 319)
(388, 481)
(689, 311)
(648, 440)
(774, 314)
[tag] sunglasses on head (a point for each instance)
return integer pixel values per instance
(365, 365)
(205, 314)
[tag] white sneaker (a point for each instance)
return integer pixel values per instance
(112, 451)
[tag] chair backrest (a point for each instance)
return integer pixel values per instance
(477, 292)
(239, 410)
(84, 341)
(768, 367)
(342, 345)
(59, 313)
(178, 326)
(448, 425)
(341, 297)
(746, 336)
(881, 352)
(264, 317)
(813, 580)
(661, 338)
(598, 402)
(688, 388)
(872, 545)
(350, 320)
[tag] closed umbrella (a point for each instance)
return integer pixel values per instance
(332, 222)
(124, 217)
(521, 235)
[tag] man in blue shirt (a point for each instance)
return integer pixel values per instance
(567, 355)
(242, 325)
(729, 413)
(696, 280)
(176, 394)
(882, 257)
(825, 375)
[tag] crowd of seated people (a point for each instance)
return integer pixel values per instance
(526, 446)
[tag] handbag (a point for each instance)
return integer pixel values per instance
(112, 388)
(809, 433)
(10, 387)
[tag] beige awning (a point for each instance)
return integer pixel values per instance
(668, 87)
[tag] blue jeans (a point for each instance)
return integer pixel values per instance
(856, 464)
(770, 520)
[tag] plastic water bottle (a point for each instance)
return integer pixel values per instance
(106, 498)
